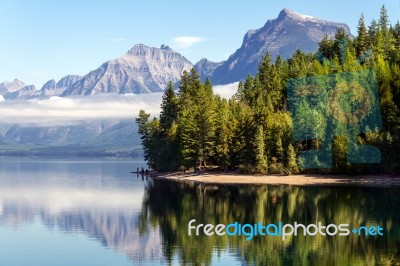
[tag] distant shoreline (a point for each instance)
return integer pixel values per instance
(291, 180)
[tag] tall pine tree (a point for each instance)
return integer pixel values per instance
(361, 41)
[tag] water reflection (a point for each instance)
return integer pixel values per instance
(97, 198)
(171, 206)
(146, 221)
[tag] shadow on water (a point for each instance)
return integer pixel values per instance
(170, 206)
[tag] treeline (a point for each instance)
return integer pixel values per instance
(252, 130)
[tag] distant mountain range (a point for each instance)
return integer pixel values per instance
(142, 69)
(97, 138)
(146, 69)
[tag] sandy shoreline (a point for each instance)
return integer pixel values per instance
(295, 180)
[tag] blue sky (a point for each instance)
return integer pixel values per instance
(41, 40)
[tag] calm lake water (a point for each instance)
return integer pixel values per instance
(95, 212)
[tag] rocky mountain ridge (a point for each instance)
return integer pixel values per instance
(281, 36)
(145, 69)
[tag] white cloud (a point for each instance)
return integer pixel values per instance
(62, 111)
(226, 91)
(185, 42)
(71, 110)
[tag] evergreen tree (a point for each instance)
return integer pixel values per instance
(242, 129)
(224, 134)
(143, 129)
(292, 166)
(385, 41)
(372, 30)
(264, 76)
(396, 30)
(326, 49)
(279, 148)
(339, 152)
(188, 135)
(341, 44)
(169, 157)
(383, 19)
(362, 38)
(350, 64)
(396, 50)
(380, 43)
(196, 119)
(335, 65)
(240, 94)
(395, 84)
(169, 108)
(188, 87)
(260, 164)
(206, 119)
(149, 132)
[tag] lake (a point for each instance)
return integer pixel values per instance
(95, 212)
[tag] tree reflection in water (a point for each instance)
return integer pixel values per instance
(169, 206)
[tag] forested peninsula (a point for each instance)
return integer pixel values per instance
(252, 131)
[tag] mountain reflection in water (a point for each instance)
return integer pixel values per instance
(97, 198)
